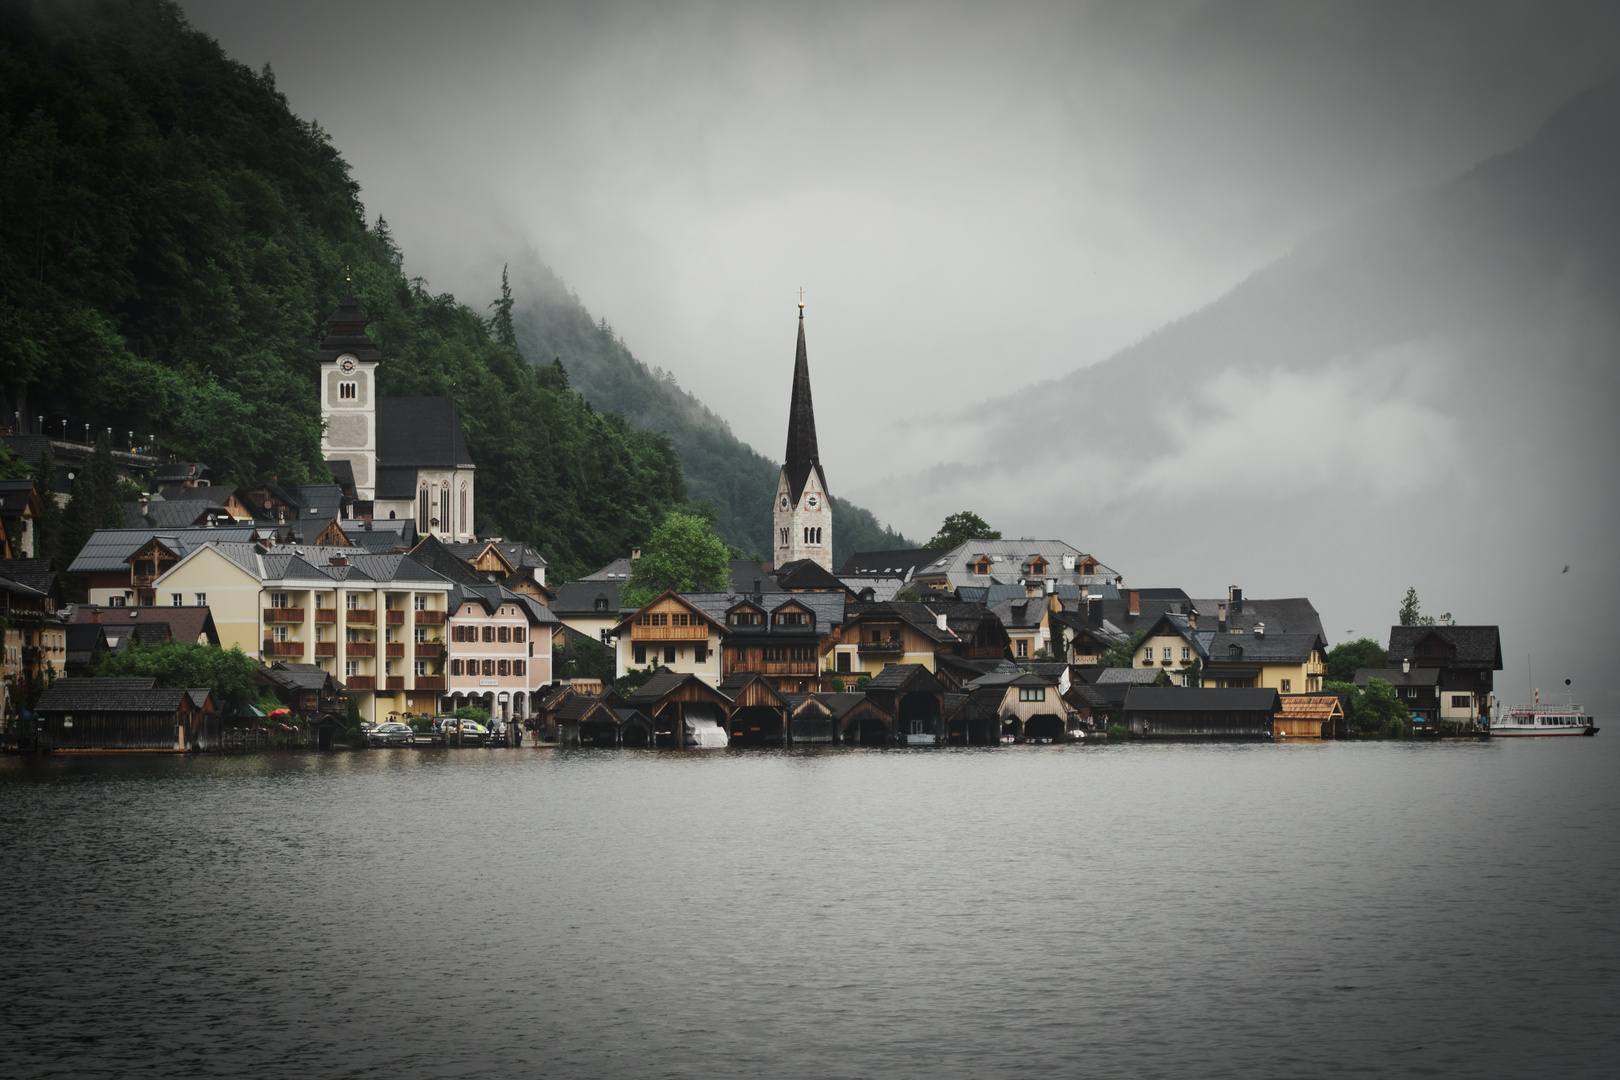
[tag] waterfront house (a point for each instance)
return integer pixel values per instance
(309, 690)
(874, 636)
(1287, 663)
(1417, 687)
(1027, 707)
(782, 636)
(1180, 712)
(350, 612)
(1467, 658)
(679, 632)
(1014, 562)
(500, 646)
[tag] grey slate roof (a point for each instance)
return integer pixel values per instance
(172, 514)
(901, 563)
(384, 535)
(1259, 648)
(1473, 646)
(109, 549)
(519, 554)
(490, 597)
(109, 695)
(1199, 699)
(1010, 563)
(36, 574)
(1397, 677)
(1134, 676)
(14, 496)
(806, 575)
(419, 433)
(657, 687)
(580, 597)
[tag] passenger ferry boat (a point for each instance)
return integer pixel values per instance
(1543, 720)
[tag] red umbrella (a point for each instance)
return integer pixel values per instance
(280, 712)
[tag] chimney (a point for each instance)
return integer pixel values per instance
(1235, 596)
(1259, 629)
(338, 560)
(1192, 617)
(1406, 667)
(1051, 586)
(1220, 618)
(939, 620)
(144, 506)
(1136, 602)
(635, 553)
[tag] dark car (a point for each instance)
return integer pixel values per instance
(392, 733)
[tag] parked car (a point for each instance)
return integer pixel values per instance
(472, 733)
(391, 734)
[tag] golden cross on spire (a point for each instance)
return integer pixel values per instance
(801, 297)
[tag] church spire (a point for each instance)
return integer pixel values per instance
(802, 453)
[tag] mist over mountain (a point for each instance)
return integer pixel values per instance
(1421, 396)
(739, 481)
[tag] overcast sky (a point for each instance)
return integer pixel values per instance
(969, 196)
(976, 199)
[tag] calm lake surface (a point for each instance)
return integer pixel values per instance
(1144, 911)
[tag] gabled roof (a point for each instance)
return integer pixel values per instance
(907, 678)
(1135, 676)
(420, 433)
(183, 623)
(1311, 707)
(518, 555)
(663, 684)
(442, 558)
(693, 602)
(17, 496)
(490, 597)
(387, 534)
(1468, 646)
(838, 705)
(803, 575)
(1010, 562)
(84, 640)
(110, 549)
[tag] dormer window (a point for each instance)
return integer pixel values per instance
(1088, 567)
(348, 390)
(1037, 566)
(981, 567)
(601, 603)
(792, 618)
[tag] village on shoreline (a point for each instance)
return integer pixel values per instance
(333, 611)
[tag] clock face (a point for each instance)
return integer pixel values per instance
(784, 502)
(812, 502)
(346, 365)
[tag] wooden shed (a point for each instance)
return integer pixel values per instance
(759, 711)
(685, 710)
(126, 715)
(1308, 716)
(915, 698)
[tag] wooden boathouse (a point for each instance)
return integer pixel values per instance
(684, 710)
(126, 715)
(1184, 712)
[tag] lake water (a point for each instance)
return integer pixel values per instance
(1143, 911)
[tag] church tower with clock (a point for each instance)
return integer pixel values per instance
(803, 514)
(349, 360)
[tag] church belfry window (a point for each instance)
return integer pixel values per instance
(347, 390)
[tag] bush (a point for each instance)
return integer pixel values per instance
(860, 683)
(180, 665)
(838, 684)
(1118, 733)
(473, 713)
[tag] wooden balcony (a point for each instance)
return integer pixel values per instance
(396, 617)
(284, 615)
(789, 667)
(983, 652)
(429, 650)
(669, 633)
(360, 615)
(396, 682)
(394, 649)
(284, 648)
(1315, 668)
(894, 647)
(326, 615)
(360, 682)
(430, 682)
(429, 618)
(360, 648)
(326, 648)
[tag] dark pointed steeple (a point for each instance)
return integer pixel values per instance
(802, 454)
(346, 331)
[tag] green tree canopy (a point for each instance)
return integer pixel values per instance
(1379, 710)
(683, 554)
(1343, 660)
(185, 664)
(1122, 653)
(961, 527)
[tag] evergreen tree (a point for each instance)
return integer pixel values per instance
(94, 503)
(48, 529)
(501, 325)
(1409, 613)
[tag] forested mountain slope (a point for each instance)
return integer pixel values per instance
(171, 238)
(719, 467)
